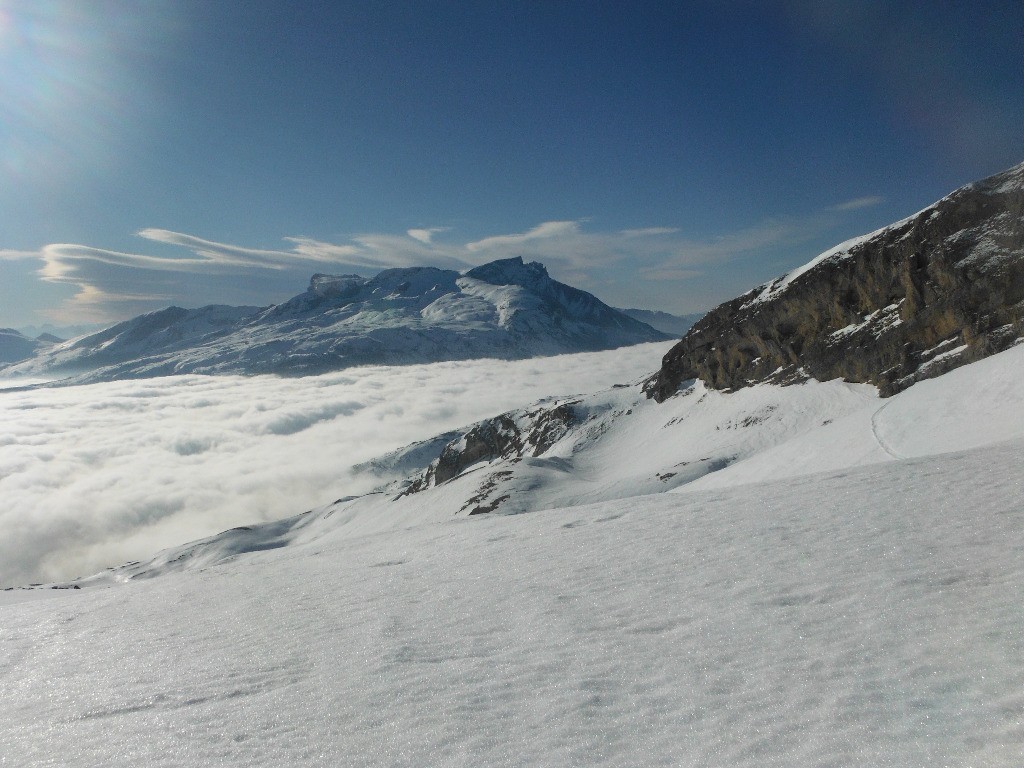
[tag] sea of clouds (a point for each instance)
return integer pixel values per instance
(98, 475)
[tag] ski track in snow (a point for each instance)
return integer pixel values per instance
(878, 438)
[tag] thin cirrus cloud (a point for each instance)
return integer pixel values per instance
(859, 203)
(96, 475)
(654, 254)
(546, 232)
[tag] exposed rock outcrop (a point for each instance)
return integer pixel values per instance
(508, 436)
(937, 290)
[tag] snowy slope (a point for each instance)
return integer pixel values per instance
(868, 614)
(792, 576)
(617, 444)
(505, 310)
(865, 617)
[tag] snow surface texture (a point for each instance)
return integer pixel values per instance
(97, 475)
(505, 310)
(867, 617)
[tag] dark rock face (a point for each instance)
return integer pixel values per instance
(910, 302)
(511, 435)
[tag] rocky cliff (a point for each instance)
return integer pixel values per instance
(510, 436)
(940, 289)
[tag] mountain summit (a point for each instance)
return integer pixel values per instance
(506, 309)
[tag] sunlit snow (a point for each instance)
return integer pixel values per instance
(845, 592)
(869, 617)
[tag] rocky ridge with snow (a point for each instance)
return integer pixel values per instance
(507, 309)
(911, 301)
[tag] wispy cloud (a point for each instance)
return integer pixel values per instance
(60, 261)
(220, 253)
(767, 234)
(650, 231)
(859, 203)
(654, 254)
(425, 235)
(14, 255)
(110, 283)
(549, 230)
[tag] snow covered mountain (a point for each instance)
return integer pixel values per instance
(505, 309)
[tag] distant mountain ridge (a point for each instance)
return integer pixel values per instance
(673, 325)
(505, 309)
(15, 346)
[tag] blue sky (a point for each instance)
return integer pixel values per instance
(662, 155)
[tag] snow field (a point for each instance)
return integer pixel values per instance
(622, 445)
(842, 587)
(972, 406)
(866, 617)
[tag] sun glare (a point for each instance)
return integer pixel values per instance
(69, 84)
(8, 31)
